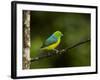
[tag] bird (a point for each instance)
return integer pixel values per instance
(52, 42)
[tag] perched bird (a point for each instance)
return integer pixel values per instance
(52, 42)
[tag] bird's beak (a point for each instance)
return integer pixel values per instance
(62, 35)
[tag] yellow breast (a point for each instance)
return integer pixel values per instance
(53, 46)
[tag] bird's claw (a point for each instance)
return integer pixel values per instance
(56, 50)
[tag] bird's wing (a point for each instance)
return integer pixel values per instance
(52, 39)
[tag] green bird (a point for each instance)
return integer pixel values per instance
(52, 42)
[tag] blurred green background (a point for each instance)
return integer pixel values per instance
(74, 26)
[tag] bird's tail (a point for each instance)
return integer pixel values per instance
(42, 49)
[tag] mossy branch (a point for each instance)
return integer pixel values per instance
(59, 52)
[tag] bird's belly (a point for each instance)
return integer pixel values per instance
(54, 45)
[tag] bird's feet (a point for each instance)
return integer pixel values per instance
(56, 50)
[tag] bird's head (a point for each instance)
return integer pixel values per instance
(58, 34)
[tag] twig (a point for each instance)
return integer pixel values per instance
(59, 52)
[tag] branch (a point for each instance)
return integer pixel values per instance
(58, 52)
